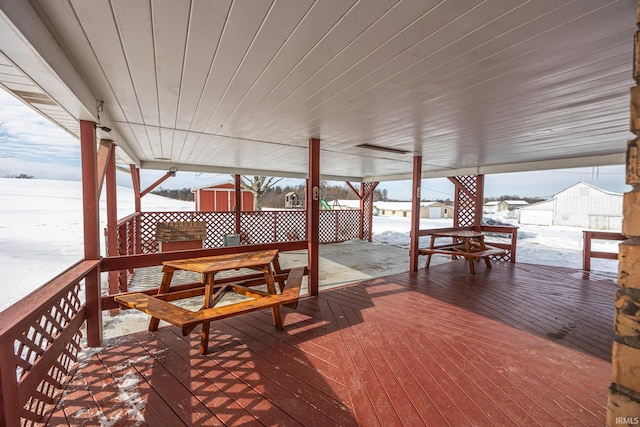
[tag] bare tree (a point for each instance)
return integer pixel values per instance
(258, 185)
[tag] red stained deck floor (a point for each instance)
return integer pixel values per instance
(516, 345)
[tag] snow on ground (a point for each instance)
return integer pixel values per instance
(41, 233)
(41, 230)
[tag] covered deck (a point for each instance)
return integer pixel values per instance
(520, 344)
(356, 91)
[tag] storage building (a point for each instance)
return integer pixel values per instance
(221, 198)
(581, 205)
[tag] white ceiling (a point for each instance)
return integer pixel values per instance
(240, 86)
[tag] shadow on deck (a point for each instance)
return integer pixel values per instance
(519, 344)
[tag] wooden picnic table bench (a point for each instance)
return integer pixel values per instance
(465, 243)
(160, 308)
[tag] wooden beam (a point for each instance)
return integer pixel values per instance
(135, 180)
(158, 182)
(353, 189)
(104, 153)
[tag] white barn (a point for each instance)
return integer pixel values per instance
(581, 205)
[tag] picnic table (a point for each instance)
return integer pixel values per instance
(266, 261)
(465, 243)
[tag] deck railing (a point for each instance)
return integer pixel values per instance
(136, 233)
(39, 344)
(587, 253)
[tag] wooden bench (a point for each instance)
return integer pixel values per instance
(158, 307)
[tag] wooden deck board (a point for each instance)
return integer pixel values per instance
(516, 345)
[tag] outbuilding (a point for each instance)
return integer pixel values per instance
(432, 210)
(581, 205)
(221, 198)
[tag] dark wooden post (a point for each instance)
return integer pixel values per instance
(112, 221)
(238, 200)
(624, 393)
(313, 215)
(477, 220)
(91, 230)
(135, 178)
(415, 213)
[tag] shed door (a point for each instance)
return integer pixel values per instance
(434, 212)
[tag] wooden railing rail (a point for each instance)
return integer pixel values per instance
(39, 344)
(510, 232)
(587, 253)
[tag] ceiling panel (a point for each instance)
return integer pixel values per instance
(243, 84)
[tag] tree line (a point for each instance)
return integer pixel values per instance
(274, 197)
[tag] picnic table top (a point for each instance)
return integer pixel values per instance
(459, 233)
(216, 263)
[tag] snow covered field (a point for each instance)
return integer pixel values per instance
(41, 233)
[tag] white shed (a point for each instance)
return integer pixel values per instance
(540, 213)
(581, 205)
(491, 206)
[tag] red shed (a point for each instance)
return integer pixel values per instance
(221, 198)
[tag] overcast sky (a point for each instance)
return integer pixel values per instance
(30, 144)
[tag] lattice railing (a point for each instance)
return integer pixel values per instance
(39, 345)
(339, 226)
(256, 227)
(272, 227)
(136, 233)
(466, 206)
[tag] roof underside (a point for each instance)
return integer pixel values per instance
(240, 86)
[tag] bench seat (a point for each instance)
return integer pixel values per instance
(187, 319)
(457, 250)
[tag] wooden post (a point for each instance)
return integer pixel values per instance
(363, 206)
(623, 408)
(238, 201)
(477, 220)
(415, 213)
(112, 220)
(313, 215)
(91, 230)
(135, 178)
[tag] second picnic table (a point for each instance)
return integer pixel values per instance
(469, 244)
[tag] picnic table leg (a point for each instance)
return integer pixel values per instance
(278, 270)
(431, 243)
(271, 287)
(208, 293)
(165, 285)
(488, 262)
(483, 247)
(467, 246)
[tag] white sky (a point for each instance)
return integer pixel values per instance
(30, 144)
